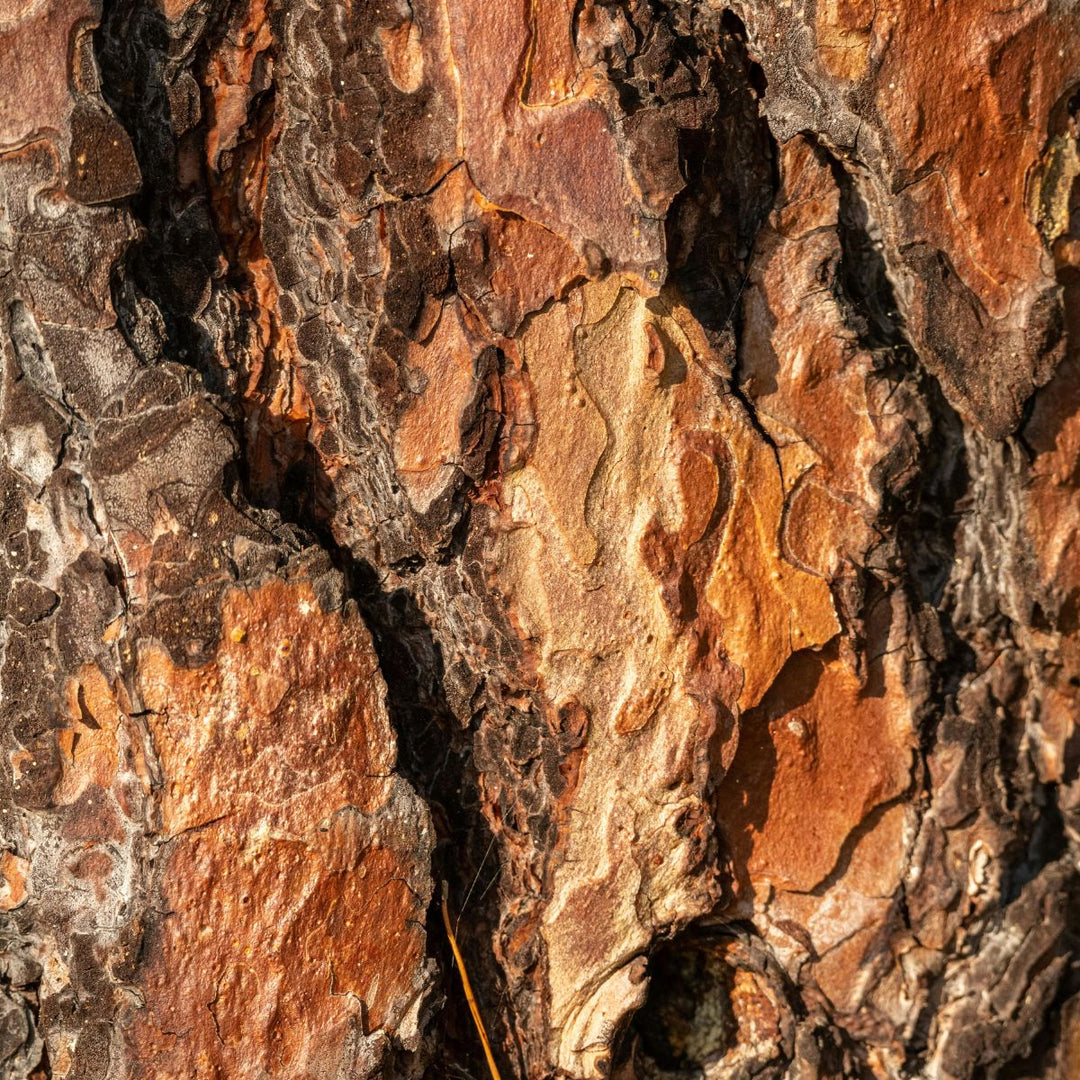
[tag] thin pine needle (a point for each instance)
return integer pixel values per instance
(476, 878)
(469, 996)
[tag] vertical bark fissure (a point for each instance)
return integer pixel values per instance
(186, 290)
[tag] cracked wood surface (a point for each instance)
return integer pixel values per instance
(619, 459)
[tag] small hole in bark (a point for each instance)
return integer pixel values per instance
(687, 1018)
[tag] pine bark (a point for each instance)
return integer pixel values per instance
(613, 466)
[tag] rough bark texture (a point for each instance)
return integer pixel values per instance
(619, 459)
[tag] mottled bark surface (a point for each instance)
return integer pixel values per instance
(618, 459)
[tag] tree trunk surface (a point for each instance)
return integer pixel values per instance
(613, 467)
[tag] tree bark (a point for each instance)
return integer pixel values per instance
(612, 466)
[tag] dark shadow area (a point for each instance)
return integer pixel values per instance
(165, 293)
(687, 1020)
(923, 516)
(730, 169)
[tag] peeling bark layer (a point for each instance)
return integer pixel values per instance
(616, 462)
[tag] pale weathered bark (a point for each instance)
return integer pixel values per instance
(617, 462)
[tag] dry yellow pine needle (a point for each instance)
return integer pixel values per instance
(470, 997)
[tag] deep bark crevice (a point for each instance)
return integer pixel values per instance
(731, 176)
(175, 270)
(177, 258)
